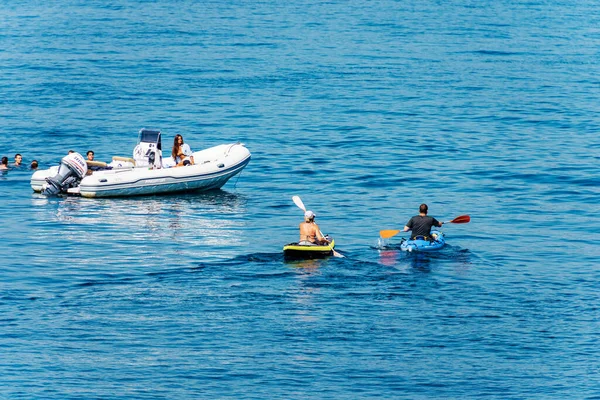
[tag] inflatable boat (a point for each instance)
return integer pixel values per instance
(434, 242)
(297, 251)
(146, 173)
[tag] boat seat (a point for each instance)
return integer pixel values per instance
(420, 237)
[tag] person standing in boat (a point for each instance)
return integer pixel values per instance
(181, 153)
(310, 234)
(421, 224)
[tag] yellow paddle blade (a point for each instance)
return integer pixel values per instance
(386, 234)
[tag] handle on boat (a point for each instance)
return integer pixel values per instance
(388, 233)
(298, 202)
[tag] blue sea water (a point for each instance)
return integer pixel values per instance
(363, 108)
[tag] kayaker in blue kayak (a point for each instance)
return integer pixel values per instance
(310, 234)
(421, 224)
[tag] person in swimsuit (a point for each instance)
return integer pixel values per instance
(310, 234)
(181, 152)
(421, 224)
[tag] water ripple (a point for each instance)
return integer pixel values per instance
(479, 109)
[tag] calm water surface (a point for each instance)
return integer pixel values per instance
(365, 110)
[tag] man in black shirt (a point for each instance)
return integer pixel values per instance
(421, 224)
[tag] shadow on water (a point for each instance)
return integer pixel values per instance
(181, 226)
(212, 197)
(271, 270)
(273, 258)
(260, 265)
(120, 210)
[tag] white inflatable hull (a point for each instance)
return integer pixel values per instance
(212, 169)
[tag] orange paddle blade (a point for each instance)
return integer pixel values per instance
(388, 233)
(463, 219)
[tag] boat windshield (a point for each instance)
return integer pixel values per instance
(150, 136)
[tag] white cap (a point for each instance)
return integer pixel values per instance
(309, 214)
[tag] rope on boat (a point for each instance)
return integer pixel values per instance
(238, 178)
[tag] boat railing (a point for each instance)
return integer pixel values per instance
(231, 147)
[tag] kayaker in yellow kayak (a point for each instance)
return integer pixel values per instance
(310, 234)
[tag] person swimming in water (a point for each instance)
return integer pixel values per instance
(18, 160)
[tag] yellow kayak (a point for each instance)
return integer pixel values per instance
(296, 251)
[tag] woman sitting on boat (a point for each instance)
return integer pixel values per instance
(310, 234)
(181, 153)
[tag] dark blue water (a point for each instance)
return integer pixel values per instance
(365, 110)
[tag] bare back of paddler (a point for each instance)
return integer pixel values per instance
(309, 231)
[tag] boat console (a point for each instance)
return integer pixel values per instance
(148, 152)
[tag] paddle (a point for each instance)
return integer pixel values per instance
(463, 219)
(388, 233)
(298, 202)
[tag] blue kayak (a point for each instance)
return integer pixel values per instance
(434, 242)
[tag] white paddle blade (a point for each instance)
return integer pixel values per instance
(298, 201)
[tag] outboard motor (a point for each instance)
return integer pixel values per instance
(71, 171)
